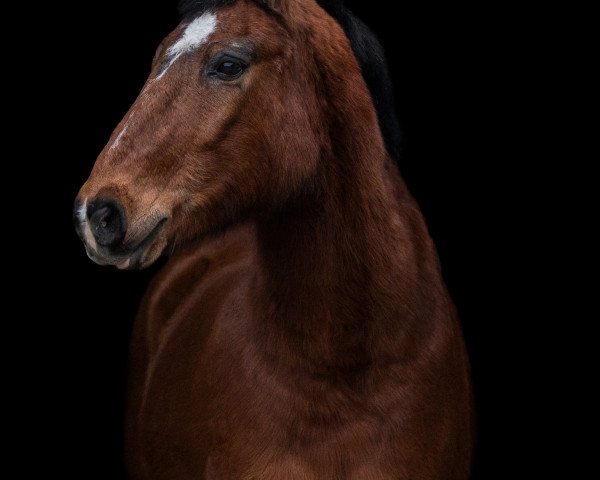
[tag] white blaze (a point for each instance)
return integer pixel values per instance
(118, 139)
(195, 35)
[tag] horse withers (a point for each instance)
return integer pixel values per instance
(300, 329)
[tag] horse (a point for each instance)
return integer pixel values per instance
(300, 328)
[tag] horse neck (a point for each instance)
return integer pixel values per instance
(346, 270)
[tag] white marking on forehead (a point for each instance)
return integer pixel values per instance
(194, 35)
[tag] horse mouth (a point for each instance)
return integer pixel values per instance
(132, 257)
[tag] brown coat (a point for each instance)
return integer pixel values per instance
(301, 329)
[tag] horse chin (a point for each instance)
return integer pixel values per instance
(144, 254)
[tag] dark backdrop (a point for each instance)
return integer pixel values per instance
(450, 95)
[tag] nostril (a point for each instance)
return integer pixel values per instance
(101, 217)
(104, 216)
(107, 222)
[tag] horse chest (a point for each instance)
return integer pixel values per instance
(229, 419)
(209, 401)
(204, 400)
(203, 403)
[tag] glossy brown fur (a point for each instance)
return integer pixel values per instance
(301, 329)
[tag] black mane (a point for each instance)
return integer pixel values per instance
(366, 48)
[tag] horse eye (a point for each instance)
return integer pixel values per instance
(229, 69)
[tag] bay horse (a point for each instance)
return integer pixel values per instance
(300, 329)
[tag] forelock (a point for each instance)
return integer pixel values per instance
(192, 8)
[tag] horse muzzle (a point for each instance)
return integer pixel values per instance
(111, 239)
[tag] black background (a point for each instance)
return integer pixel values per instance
(453, 92)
